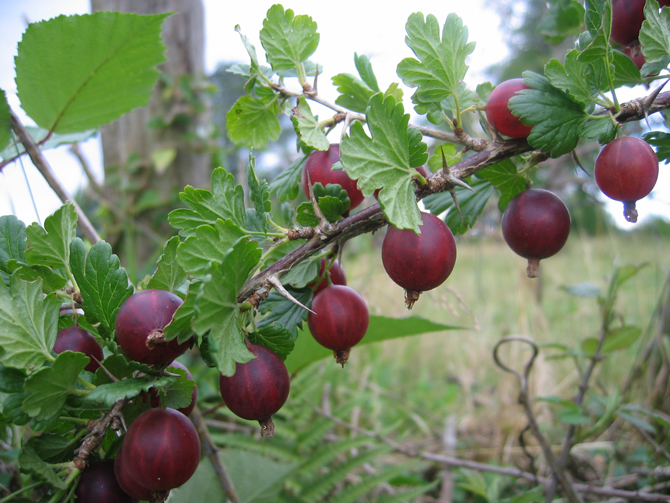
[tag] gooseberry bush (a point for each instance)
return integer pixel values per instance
(238, 282)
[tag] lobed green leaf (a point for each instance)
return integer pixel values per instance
(383, 161)
(286, 184)
(209, 244)
(169, 274)
(51, 245)
(104, 284)
(471, 205)
(556, 119)
(29, 322)
(655, 38)
(50, 386)
(440, 67)
(12, 243)
(307, 127)
(504, 177)
(253, 122)
(224, 201)
(276, 338)
(288, 40)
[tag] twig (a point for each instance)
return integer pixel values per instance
(211, 451)
(556, 468)
(98, 430)
(449, 444)
(43, 166)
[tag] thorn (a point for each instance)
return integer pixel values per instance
(452, 191)
(109, 374)
(451, 178)
(649, 101)
(576, 160)
(274, 281)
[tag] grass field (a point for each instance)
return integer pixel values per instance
(453, 373)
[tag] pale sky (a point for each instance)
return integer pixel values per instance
(351, 26)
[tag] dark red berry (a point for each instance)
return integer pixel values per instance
(318, 166)
(129, 486)
(499, 114)
(419, 262)
(536, 225)
(336, 274)
(341, 320)
(258, 389)
(140, 323)
(161, 450)
(154, 400)
(626, 170)
(80, 341)
(98, 484)
(627, 18)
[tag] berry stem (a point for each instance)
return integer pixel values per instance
(267, 427)
(533, 269)
(629, 212)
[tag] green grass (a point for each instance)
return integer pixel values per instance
(490, 296)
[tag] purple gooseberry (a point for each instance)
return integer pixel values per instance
(258, 389)
(80, 341)
(536, 225)
(419, 262)
(140, 323)
(341, 320)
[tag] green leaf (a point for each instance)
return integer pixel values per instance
(563, 19)
(303, 273)
(621, 338)
(625, 71)
(204, 485)
(53, 448)
(11, 380)
(656, 139)
(12, 243)
(383, 161)
(259, 192)
(604, 129)
(181, 325)
(108, 394)
(555, 118)
(209, 244)
(29, 322)
(599, 23)
(568, 416)
(395, 91)
(253, 122)
(169, 274)
(471, 204)
(354, 93)
(286, 184)
(225, 201)
(75, 73)
(451, 155)
(52, 280)
(5, 121)
(50, 386)
(307, 126)
(333, 201)
(380, 328)
(51, 245)
(281, 311)
(30, 462)
(636, 421)
(504, 176)
(288, 40)
(571, 78)
(178, 393)
(104, 285)
(441, 67)
(655, 38)
(364, 68)
(276, 338)
(217, 308)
